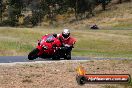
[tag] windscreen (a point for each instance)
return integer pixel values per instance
(50, 38)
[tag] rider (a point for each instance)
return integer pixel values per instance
(67, 43)
(65, 37)
(66, 40)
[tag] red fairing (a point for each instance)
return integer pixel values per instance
(49, 45)
(70, 41)
(53, 47)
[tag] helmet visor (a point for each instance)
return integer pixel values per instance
(66, 35)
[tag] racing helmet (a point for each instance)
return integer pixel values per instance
(66, 33)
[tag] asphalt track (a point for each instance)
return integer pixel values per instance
(13, 59)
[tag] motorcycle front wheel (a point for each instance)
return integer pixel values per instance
(33, 54)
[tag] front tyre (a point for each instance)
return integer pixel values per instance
(33, 54)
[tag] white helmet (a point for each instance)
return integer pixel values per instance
(66, 33)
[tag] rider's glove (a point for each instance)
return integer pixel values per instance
(55, 35)
(61, 48)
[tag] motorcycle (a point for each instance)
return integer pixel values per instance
(50, 47)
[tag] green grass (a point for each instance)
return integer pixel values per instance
(114, 40)
(104, 43)
(100, 43)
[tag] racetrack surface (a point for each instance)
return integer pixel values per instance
(13, 59)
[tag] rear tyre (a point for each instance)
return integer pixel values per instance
(33, 54)
(68, 56)
(55, 57)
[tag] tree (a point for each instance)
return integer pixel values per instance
(120, 1)
(104, 3)
(38, 11)
(1, 6)
(15, 8)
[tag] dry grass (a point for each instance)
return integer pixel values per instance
(116, 15)
(101, 43)
(110, 42)
(59, 74)
(114, 42)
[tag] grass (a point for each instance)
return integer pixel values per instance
(114, 40)
(117, 16)
(100, 43)
(104, 43)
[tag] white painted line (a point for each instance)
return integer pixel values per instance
(37, 62)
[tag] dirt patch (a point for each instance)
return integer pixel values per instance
(59, 74)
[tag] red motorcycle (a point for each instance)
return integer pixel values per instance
(50, 47)
(47, 48)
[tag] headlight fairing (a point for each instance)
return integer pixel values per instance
(45, 47)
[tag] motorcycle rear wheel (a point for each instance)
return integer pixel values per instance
(68, 56)
(33, 54)
(55, 57)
